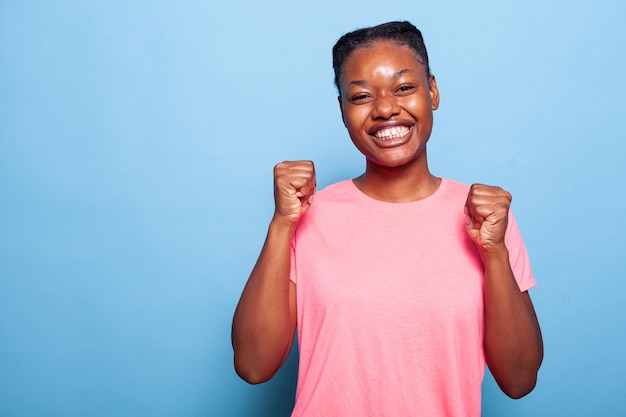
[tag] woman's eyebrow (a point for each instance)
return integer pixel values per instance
(400, 73)
(360, 83)
(395, 76)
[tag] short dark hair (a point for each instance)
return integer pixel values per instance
(402, 33)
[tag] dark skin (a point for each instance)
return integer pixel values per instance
(387, 102)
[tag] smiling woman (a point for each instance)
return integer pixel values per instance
(403, 285)
(387, 101)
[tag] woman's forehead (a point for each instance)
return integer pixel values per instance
(379, 56)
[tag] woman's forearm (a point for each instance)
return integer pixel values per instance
(513, 343)
(264, 322)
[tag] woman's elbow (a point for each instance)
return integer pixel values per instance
(252, 378)
(519, 387)
(251, 373)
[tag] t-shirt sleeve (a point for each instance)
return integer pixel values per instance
(518, 256)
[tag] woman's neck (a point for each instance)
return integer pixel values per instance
(398, 184)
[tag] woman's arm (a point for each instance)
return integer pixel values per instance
(513, 343)
(264, 323)
(265, 319)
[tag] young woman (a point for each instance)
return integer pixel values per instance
(402, 285)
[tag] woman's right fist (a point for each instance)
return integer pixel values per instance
(294, 187)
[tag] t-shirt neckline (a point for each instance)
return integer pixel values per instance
(417, 203)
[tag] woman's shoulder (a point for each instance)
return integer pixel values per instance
(338, 190)
(455, 186)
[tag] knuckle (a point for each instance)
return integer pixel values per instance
(279, 166)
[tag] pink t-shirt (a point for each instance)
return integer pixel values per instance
(390, 305)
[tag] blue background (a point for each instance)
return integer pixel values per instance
(137, 140)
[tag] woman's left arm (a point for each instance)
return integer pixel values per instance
(513, 343)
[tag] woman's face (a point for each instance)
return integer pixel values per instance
(387, 102)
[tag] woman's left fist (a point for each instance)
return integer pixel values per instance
(487, 211)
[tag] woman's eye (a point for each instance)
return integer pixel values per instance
(359, 98)
(405, 89)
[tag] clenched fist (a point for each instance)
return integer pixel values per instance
(294, 187)
(487, 211)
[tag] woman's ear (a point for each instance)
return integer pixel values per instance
(434, 92)
(341, 109)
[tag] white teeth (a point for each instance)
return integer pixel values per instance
(392, 133)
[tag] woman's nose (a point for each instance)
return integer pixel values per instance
(385, 107)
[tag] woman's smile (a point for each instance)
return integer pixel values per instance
(392, 136)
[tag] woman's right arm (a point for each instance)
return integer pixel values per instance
(265, 319)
